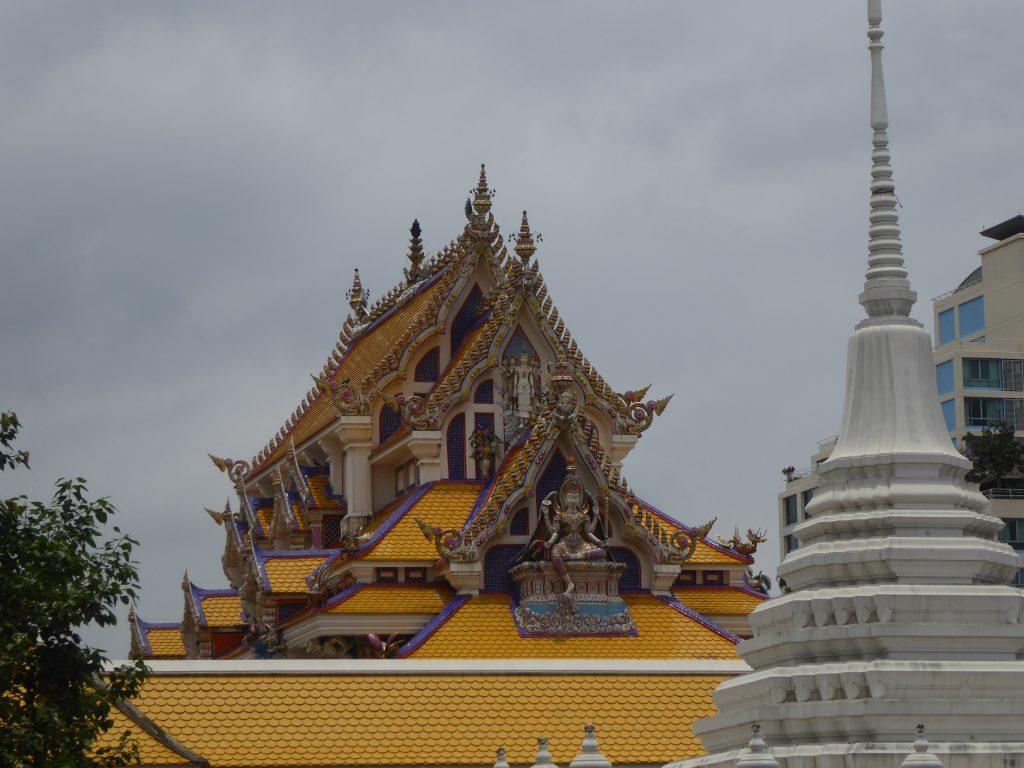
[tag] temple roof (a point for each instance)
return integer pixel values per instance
(391, 599)
(401, 713)
(482, 627)
(156, 640)
(286, 571)
(712, 601)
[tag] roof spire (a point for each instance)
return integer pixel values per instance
(887, 290)
(357, 298)
(525, 245)
(413, 274)
(756, 754)
(482, 194)
(543, 759)
(502, 760)
(921, 757)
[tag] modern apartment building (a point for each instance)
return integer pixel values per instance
(979, 373)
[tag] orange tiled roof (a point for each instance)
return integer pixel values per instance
(394, 599)
(360, 360)
(288, 574)
(444, 504)
(222, 610)
(300, 520)
(151, 751)
(392, 719)
(166, 643)
(484, 628)
(265, 515)
(318, 487)
(713, 601)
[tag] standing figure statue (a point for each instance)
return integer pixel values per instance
(524, 385)
(572, 531)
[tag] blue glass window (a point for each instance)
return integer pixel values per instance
(497, 562)
(485, 392)
(982, 411)
(947, 327)
(944, 377)
(980, 373)
(457, 448)
(552, 478)
(388, 422)
(429, 366)
(467, 318)
(972, 316)
(949, 414)
(520, 525)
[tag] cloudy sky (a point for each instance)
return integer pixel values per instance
(185, 189)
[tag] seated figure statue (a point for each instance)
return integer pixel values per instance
(573, 530)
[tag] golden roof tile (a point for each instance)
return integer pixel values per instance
(365, 354)
(318, 487)
(391, 719)
(712, 601)
(288, 574)
(446, 505)
(151, 750)
(166, 643)
(484, 628)
(222, 610)
(394, 599)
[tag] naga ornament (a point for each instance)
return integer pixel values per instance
(347, 398)
(748, 547)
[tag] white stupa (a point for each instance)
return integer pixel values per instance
(900, 611)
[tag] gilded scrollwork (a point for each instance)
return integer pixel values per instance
(746, 546)
(346, 396)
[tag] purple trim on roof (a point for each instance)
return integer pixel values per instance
(342, 596)
(199, 594)
(689, 529)
(486, 490)
(699, 618)
(313, 471)
(145, 626)
(393, 519)
(433, 625)
(262, 555)
(255, 505)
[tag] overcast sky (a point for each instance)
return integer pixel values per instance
(185, 189)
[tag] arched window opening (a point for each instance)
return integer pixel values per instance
(429, 366)
(467, 318)
(484, 392)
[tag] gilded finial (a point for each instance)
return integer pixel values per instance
(525, 245)
(482, 194)
(357, 298)
(414, 273)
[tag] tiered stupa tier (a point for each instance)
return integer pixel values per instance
(898, 610)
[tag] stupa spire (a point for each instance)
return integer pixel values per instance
(525, 245)
(887, 290)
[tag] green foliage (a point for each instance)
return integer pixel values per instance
(995, 453)
(60, 572)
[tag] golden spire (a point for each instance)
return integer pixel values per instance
(357, 298)
(413, 274)
(482, 194)
(525, 245)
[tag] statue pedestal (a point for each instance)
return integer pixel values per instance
(594, 608)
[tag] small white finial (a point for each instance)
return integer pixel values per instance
(887, 292)
(591, 756)
(543, 759)
(921, 757)
(756, 755)
(501, 761)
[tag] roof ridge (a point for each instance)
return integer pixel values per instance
(699, 618)
(442, 617)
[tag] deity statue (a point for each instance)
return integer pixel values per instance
(573, 534)
(524, 385)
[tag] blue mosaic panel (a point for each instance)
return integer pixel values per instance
(467, 318)
(553, 477)
(519, 345)
(429, 366)
(520, 523)
(484, 392)
(457, 448)
(388, 422)
(497, 561)
(631, 576)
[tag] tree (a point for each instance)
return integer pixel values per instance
(995, 453)
(60, 572)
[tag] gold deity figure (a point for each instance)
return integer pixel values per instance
(572, 531)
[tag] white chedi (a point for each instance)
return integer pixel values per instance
(900, 609)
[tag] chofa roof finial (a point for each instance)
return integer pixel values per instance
(413, 274)
(887, 290)
(357, 298)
